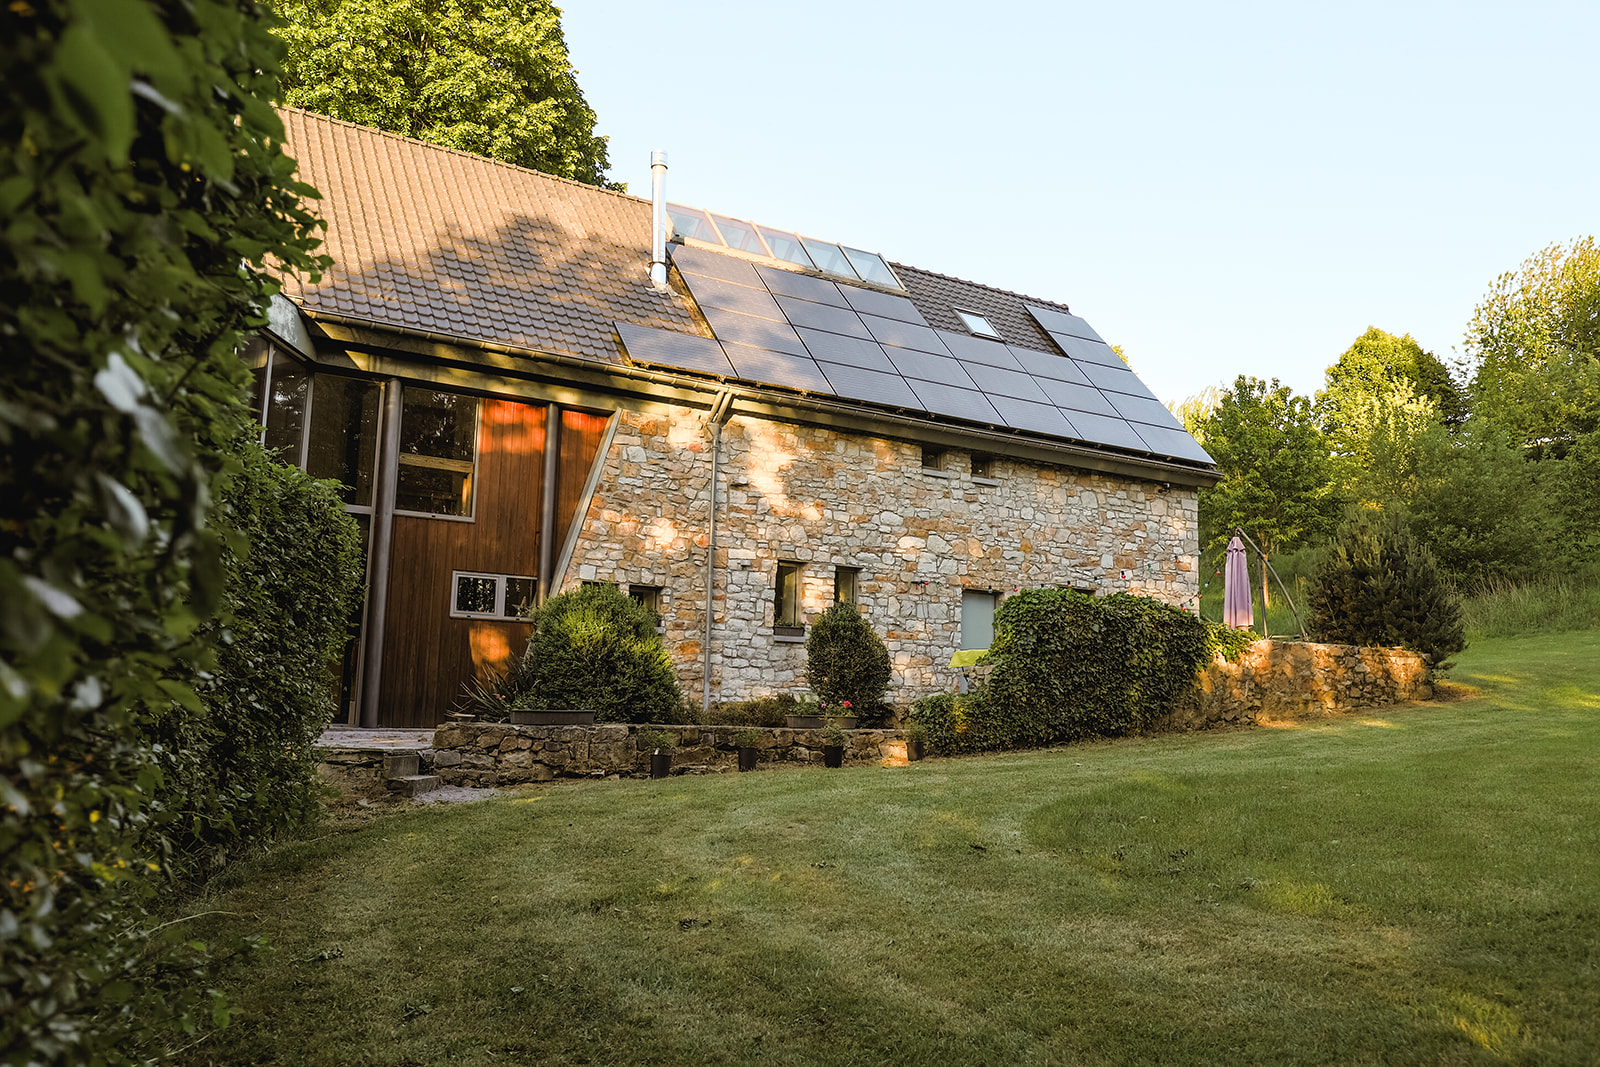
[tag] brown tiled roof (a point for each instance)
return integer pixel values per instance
(938, 295)
(433, 239)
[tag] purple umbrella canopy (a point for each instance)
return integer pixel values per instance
(1236, 610)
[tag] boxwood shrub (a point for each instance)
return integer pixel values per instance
(847, 661)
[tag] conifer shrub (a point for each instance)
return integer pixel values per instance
(847, 661)
(1376, 584)
(594, 649)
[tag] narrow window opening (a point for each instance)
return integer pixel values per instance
(845, 583)
(933, 459)
(787, 618)
(982, 465)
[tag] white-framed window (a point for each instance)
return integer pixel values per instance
(977, 324)
(475, 595)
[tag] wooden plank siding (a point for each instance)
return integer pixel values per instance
(427, 654)
(578, 441)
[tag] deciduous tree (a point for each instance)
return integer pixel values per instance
(491, 77)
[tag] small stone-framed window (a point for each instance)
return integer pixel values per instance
(648, 597)
(934, 458)
(983, 467)
(474, 595)
(788, 620)
(846, 581)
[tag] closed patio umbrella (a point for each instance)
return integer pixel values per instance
(1236, 610)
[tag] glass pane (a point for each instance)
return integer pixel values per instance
(286, 407)
(829, 257)
(787, 609)
(740, 235)
(786, 246)
(692, 222)
(872, 267)
(520, 593)
(475, 594)
(438, 444)
(344, 435)
(844, 585)
(255, 354)
(977, 323)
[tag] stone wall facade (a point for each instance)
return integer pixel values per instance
(1297, 680)
(826, 499)
(490, 754)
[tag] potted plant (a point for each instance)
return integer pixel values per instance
(659, 743)
(841, 715)
(748, 742)
(833, 741)
(916, 741)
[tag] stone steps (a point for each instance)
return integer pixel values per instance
(412, 785)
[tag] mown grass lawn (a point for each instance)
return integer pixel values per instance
(1420, 885)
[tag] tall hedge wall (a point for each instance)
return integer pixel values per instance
(1067, 666)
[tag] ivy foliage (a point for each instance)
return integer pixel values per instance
(847, 661)
(145, 202)
(1067, 666)
(1376, 584)
(595, 649)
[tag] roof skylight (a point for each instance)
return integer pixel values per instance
(977, 324)
(850, 264)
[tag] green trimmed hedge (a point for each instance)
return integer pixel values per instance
(1066, 666)
(846, 662)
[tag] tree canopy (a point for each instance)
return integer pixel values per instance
(491, 77)
(1276, 479)
(1535, 345)
(1373, 367)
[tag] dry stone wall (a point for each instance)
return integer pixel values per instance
(826, 499)
(1296, 680)
(489, 754)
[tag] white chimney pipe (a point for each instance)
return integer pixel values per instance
(658, 219)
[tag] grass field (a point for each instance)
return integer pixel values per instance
(1419, 886)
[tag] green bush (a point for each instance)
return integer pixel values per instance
(595, 649)
(846, 661)
(147, 207)
(763, 711)
(1067, 666)
(1376, 584)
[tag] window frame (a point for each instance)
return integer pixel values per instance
(967, 315)
(840, 571)
(790, 624)
(400, 459)
(653, 601)
(501, 586)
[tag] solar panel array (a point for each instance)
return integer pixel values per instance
(797, 331)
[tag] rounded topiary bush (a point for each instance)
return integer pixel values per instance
(1376, 584)
(846, 661)
(594, 649)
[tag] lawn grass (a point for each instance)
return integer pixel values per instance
(1416, 886)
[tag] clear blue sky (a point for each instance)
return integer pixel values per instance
(1222, 188)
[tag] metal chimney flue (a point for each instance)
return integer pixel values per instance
(658, 219)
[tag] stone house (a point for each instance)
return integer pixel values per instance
(738, 428)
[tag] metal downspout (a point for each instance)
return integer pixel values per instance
(382, 544)
(719, 415)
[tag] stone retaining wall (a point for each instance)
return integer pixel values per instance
(487, 754)
(1296, 680)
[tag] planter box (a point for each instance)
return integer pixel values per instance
(818, 722)
(552, 718)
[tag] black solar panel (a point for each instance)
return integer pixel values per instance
(929, 368)
(804, 286)
(1040, 418)
(749, 330)
(646, 344)
(1006, 382)
(872, 302)
(876, 387)
(1088, 351)
(1116, 379)
(1077, 397)
(713, 292)
(966, 404)
(822, 317)
(777, 368)
(965, 346)
(1061, 322)
(1176, 443)
(1143, 409)
(904, 334)
(1104, 430)
(851, 351)
(1049, 365)
(714, 265)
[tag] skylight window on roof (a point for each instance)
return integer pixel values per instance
(872, 267)
(693, 223)
(829, 258)
(740, 235)
(977, 324)
(786, 246)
